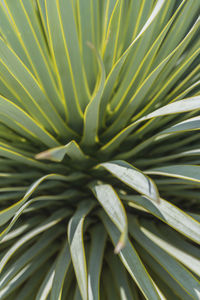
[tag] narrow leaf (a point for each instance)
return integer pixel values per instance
(133, 178)
(76, 242)
(114, 208)
(91, 115)
(132, 262)
(61, 267)
(172, 266)
(98, 242)
(9, 212)
(178, 171)
(48, 223)
(175, 249)
(72, 149)
(171, 215)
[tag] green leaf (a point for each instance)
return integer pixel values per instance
(91, 114)
(27, 271)
(27, 123)
(88, 16)
(48, 223)
(66, 58)
(61, 267)
(134, 63)
(187, 172)
(107, 10)
(114, 208)
(122, 118)
(37, 53)
(177, 107)
(112, 76)
(17, 157)
(9, 33)
(132, 262)
(175, 238)
(35, 100)
(187, 125)
(111, 40)
(171, 265)
(43, 242)
(21, 229)
(32, 284)
(68, 287)
(178, 72)
(175, 250)
(42, 13)
(133, 178)
(9, 212)
(76, 243)
(178, 32)
(170, 214)
(165, 281)
(181, 106)
(77, 295)
(46, 285)
(111, 290)
(119, 275)
(72, 149)
(98, 242)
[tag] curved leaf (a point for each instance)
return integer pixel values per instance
(172, 266)
(132, 262)
(76, 243)
(171, 215)
(61, 267)
(109, 200)
(133, 178)
(178, 171)
(98, 236)
(72, 149)
(91, 114)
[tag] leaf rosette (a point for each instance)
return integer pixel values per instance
(99, 149)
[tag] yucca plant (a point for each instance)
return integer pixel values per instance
(99, 149)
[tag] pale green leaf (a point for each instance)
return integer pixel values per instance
(98, 242)
(63, 59)
(46, 285)
(114, 208)
(111, 79)
(120, 277)
(187, 172)
(72, 150)
(27, 123)
(37, 53)
(171, 215)
(133, 178)
(174, 249)
(76, 243)
(91, 114)
(61, 267)
(181, 106)
(34, 99)
(48, 223)
(172, 266)
(43, 242)
(9, 212)
(169, 286)
(27, 271)
(132, 262)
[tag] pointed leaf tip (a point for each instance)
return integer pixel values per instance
(43, 155)
(134, 178)
(120, 245)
